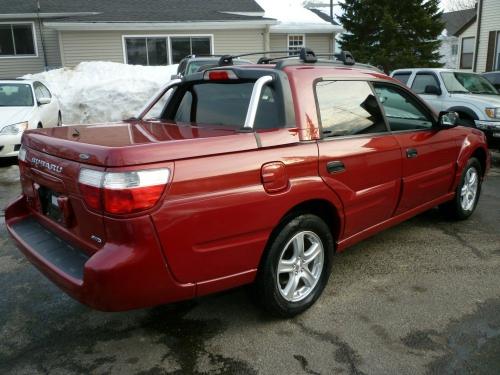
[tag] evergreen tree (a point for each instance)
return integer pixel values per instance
(392, 33)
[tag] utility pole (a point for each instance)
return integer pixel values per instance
(38, 9)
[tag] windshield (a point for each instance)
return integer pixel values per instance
(16, 95)
(467, 83)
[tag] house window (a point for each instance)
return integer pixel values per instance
(184, 46)
(467, 53)
(295, 43)
(17, 40)
(454, 49)
(146, 51)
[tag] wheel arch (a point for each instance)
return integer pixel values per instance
(320, 207)
(480, 154)
(465, 110)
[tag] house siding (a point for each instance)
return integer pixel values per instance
(17, 66)
(51, 43)
(490, 22)
(78, 46)
(319, 43)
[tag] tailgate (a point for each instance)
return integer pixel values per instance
(50, 185)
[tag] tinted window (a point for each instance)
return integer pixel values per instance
(402, 77)
(227, 104)
(403, 112)
(422, 80)
(348, 108)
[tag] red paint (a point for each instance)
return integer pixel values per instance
(227, 192)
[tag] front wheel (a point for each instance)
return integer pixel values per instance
(296, 267)
(467, 192)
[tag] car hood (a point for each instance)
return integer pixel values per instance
(137, 142)
(14, 115)
(486, 100)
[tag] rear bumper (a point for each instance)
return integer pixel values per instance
(120, 276)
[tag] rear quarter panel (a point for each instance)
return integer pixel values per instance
(217, 218)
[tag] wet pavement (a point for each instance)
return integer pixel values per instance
(422, 297)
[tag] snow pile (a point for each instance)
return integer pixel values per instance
(103, 91)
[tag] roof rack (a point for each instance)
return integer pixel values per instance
(304, 55)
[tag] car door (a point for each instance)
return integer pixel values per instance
(428, 87)
(429, 154)
(358, 157)
(52, 108)
(43, 109)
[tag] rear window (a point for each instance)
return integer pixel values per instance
(402, 77)
(225, 104)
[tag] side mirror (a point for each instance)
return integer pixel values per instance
(448, 119)
(43, 101)
(432, 90)
(175, 76)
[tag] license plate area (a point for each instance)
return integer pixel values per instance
(496, 134)
(49, 204)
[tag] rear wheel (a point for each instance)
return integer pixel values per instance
(296, 267)
(39, 126)
(467, 192)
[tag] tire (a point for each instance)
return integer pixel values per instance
(59, 120)
(467, 192)
(39, 126)
(303, 274)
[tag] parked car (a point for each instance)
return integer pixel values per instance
(469, 94)
(192, 64)
(248, 174)
(24, 104)
(494, 78)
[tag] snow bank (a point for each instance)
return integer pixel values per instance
(103, 91)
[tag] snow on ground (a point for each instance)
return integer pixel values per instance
(101, 91)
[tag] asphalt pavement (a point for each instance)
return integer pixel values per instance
(420, 298)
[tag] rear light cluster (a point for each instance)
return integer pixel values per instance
(219, 75)
(122, 192)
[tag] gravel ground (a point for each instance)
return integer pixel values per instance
(422, 297)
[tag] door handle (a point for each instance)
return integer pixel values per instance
(335, 166)
(411, 153)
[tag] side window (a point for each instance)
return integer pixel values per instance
(38, 90)
(402, 77)
(422, 80)
(401, 110)
(348, 108)
(184, 111)
(157, 110)
(45, 91)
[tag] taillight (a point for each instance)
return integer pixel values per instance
(219, 75)
(122, 192)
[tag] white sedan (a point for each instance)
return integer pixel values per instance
(24, 104)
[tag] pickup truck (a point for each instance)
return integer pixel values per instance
(238, 175)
